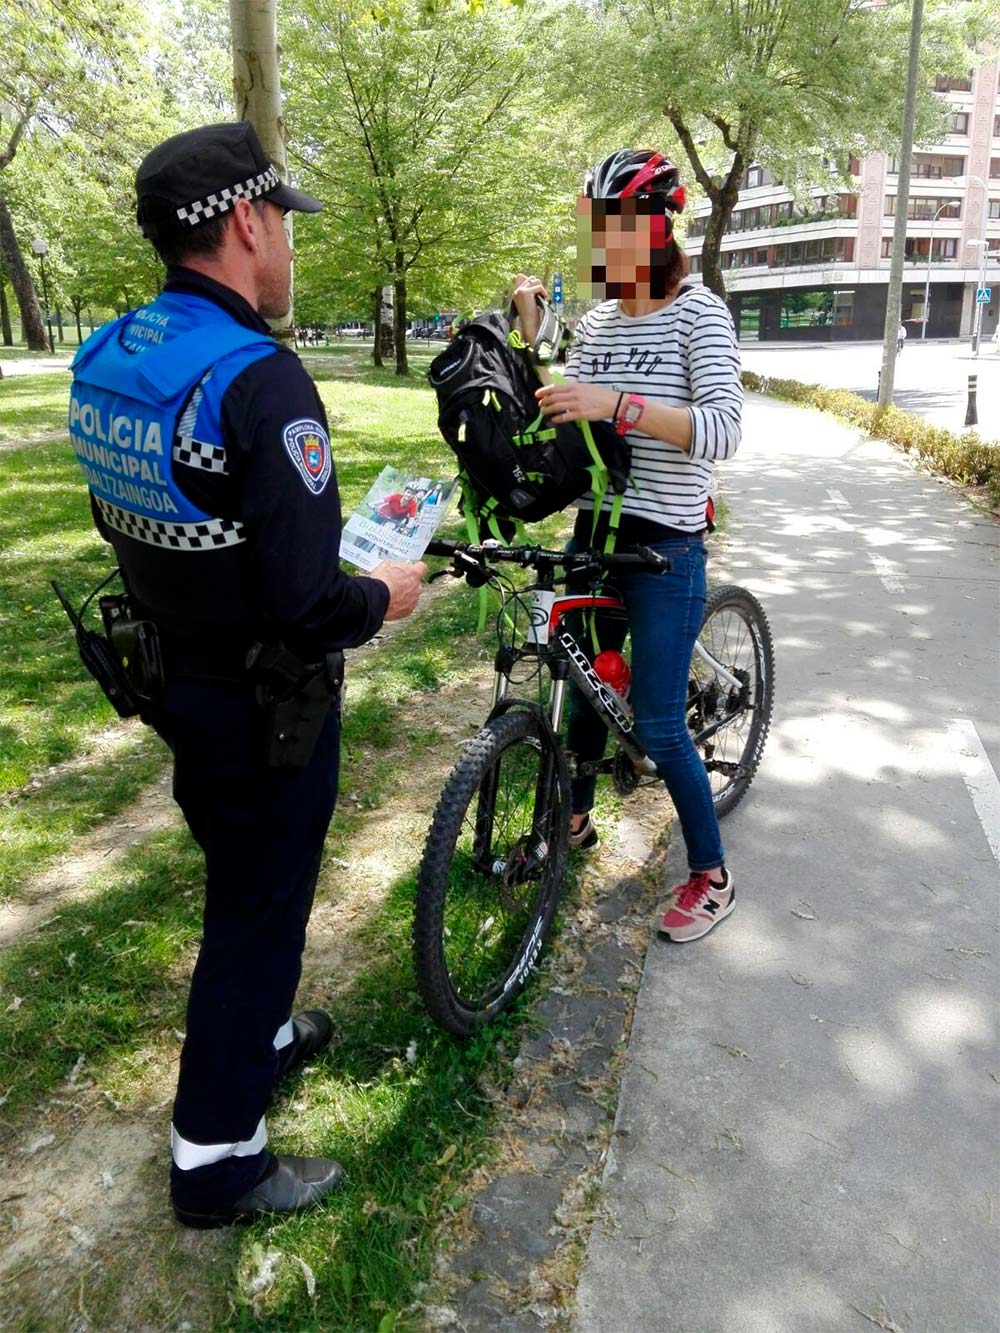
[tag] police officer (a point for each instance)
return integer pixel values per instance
(206, 450)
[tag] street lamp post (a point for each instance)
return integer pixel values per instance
(982, 271)
(41, 249)
(979, 306)
(930, 256)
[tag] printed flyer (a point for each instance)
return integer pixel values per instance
(396, 519)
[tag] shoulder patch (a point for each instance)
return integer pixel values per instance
(308, 447)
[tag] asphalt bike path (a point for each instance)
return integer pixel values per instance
(806, 1135)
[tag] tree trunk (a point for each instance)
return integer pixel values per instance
(77, 303)
(386, 331)
(6, 332)
(399, 316)
(32, 328)
(59, 325)
(715, 228)
(257, 94)
(377, 322)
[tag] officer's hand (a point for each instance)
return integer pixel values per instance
(403, 582)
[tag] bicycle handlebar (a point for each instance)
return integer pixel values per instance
(537, 557)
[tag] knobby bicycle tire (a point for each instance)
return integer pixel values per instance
(751, 651)
(474, 868)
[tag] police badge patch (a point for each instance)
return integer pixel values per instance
(307, 446)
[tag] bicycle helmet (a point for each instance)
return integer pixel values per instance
(636, 173)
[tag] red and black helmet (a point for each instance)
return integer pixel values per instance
(636, 173)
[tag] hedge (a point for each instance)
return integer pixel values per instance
(966, 458)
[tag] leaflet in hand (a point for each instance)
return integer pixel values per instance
(396, 519)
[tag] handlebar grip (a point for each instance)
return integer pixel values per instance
(441, 548)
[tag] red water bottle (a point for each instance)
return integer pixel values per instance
(614, 671)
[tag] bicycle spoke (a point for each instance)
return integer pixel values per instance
(492, 899)
(737, 718)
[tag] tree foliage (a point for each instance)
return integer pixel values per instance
(86, 89)
(78, 76)
(795, 86)
(419, 128)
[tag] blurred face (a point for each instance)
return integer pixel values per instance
(622, 248)
(274, 279)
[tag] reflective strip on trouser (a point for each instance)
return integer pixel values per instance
(188, 1155)
(284, 1036)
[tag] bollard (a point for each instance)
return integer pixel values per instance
(971, 415)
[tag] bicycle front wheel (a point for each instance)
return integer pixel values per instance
(491, 872)
(729, 718)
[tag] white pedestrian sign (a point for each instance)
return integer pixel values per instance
(983, 295)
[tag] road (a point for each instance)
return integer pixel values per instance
(931, 377)
(806, 1134)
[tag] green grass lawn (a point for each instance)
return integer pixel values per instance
(32, 405)
(106, 980)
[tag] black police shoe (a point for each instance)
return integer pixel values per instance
(313, 1030)
(289, 1185)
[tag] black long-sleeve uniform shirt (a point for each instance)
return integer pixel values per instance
(285, 580)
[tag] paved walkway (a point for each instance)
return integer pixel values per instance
(806, 1137)
(34, 365)
(931, 377)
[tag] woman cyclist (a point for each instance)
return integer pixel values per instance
(661, 362)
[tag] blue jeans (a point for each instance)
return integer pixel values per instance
(664, 616)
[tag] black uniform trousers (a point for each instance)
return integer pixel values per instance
(262, 831)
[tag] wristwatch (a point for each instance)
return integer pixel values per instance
(630, 415)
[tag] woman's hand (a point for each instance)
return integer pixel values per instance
(525, 291)
(571, 401)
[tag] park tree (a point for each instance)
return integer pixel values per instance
(413, 123)
(797, 87)
(80, 75)
(257, 94)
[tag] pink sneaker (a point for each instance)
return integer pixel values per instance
(697, 906)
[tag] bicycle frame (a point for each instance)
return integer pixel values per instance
(566, 659)
(550, 640)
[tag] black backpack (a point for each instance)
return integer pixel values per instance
(517, 467)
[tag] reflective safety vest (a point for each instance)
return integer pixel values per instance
(147, 392)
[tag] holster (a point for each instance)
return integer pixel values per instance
(124, 661)
(296, 698)
(136, 645)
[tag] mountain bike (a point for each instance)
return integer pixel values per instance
(495, 856)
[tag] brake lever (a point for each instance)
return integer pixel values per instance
(475, 573)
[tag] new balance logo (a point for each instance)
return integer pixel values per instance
(710, 905)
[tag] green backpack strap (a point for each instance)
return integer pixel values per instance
(471, 515)
(597, 469)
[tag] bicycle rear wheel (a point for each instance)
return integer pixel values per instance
(491, 872)
(729, 723)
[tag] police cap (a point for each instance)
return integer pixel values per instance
(196, 176)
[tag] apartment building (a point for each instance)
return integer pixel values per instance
(821, 271)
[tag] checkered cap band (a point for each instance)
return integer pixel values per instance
(211, 534)
(203, 210)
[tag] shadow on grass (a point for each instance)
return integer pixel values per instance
(38, 825)
(404, 1107)
(98, 979)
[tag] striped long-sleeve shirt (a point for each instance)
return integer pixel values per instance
(684, 355)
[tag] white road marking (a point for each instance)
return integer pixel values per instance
(979, 776)
(886, 572)
(839, 499)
